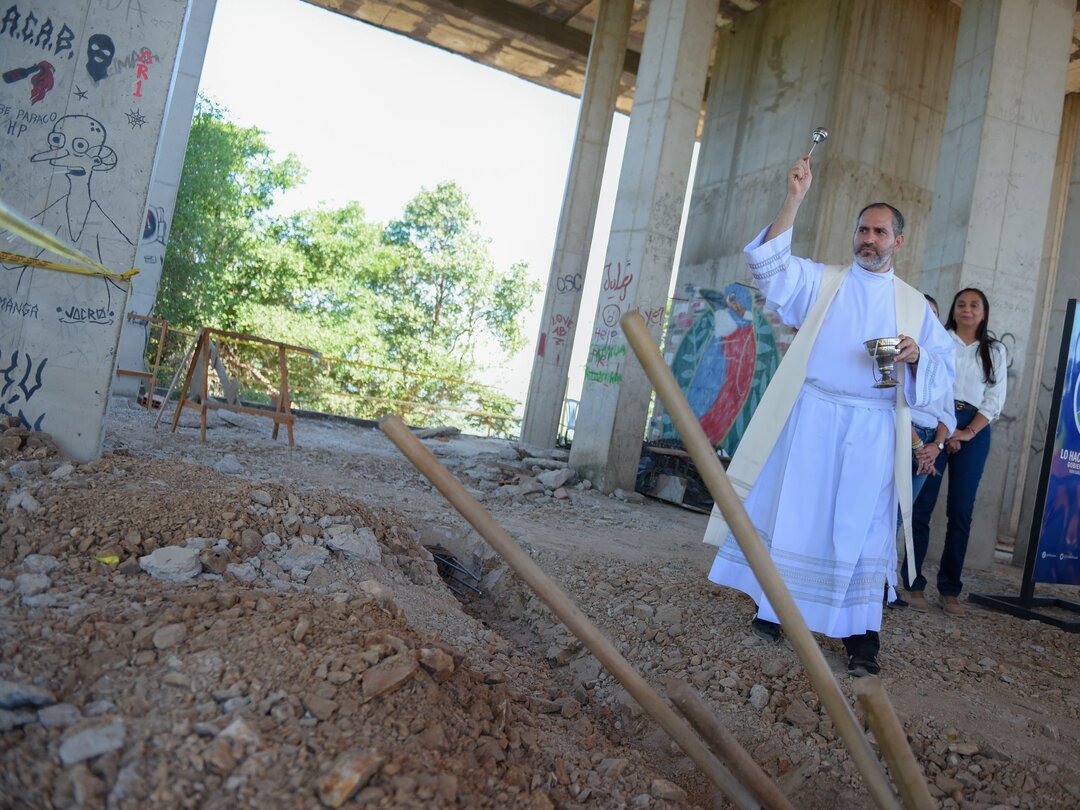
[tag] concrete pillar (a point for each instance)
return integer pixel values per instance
(991, 204)
(558, 322)
(164, 182)
(644, 230)
(78, 134)
(875, 74)
(1057, 286)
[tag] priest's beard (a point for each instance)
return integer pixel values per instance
(875, 263)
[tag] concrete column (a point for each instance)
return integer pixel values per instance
(78, 134)
(645, 227)
(164, 182)
(558, 323)
(991, 204)
(1056, 288)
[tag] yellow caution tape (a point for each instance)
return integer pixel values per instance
(24, 228)
(108, 559)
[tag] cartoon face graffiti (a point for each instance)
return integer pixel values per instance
(78, 144)
(99, 55)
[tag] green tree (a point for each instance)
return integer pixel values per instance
(446, 296)
(227, 188)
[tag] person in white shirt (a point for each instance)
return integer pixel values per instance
(979, 394)
(930, 427)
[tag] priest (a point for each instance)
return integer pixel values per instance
(825, 463)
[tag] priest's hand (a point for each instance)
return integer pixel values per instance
(799, 178)
(908, 350)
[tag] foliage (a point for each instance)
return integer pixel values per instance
(227, 188)
(404, 310)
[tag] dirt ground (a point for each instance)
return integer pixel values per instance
(310, 655)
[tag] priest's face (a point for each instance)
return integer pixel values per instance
(875, 240)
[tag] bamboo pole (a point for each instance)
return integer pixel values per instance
(724, 744)
(791, 619)
(567, 612)
(892, 740)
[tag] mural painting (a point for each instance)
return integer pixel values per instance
(723, 347)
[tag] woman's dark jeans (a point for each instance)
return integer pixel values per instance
(965, 470)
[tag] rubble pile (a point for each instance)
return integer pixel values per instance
(237, 623)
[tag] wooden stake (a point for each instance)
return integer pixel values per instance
(706, 723)
(892, 740)
(791, 619)
(567, 612)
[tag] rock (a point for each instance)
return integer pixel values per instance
(357, 545)
(668, 614)
(322, 578)
(63, 471)
(39, 563)
(172, 564)
(561, 494)
(59, 715)
(244, 572)
(21, 470)
(261, 497)
(250, 541)
(14, 695)
(553, 479)
(612, 768)
(22, 500)
(229, 465)
(303, 556)
(381, 594)
(798, 714)
(92, 742)
(11, 720)
(667, 791)
(759, 696)
(303, 624)
(437, 662)
(350, 772)
(88, 789)
(31, 584)
(627, 496)
(241, 731)
(389, 674)
(271, 540)
(320, 707)
(169, 636)
(446, 431)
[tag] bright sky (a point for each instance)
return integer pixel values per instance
(374, 117)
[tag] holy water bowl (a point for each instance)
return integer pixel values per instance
(883, 350)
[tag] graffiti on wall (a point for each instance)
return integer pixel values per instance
(77, 146)
(20, 378)
(723, 347)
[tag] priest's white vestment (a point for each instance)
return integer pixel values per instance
(825, 502)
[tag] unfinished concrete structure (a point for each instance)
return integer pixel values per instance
(951, 109)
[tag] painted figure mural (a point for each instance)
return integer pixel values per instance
(723, 349)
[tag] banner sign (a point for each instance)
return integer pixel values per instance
(1057, 559)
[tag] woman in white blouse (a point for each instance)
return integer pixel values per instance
(979, 392)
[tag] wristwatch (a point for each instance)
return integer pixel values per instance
(941, 445)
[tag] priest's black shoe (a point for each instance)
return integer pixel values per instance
(859, 666)
(762, 628)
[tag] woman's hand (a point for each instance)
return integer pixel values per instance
(926, 456)
(953, 445)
